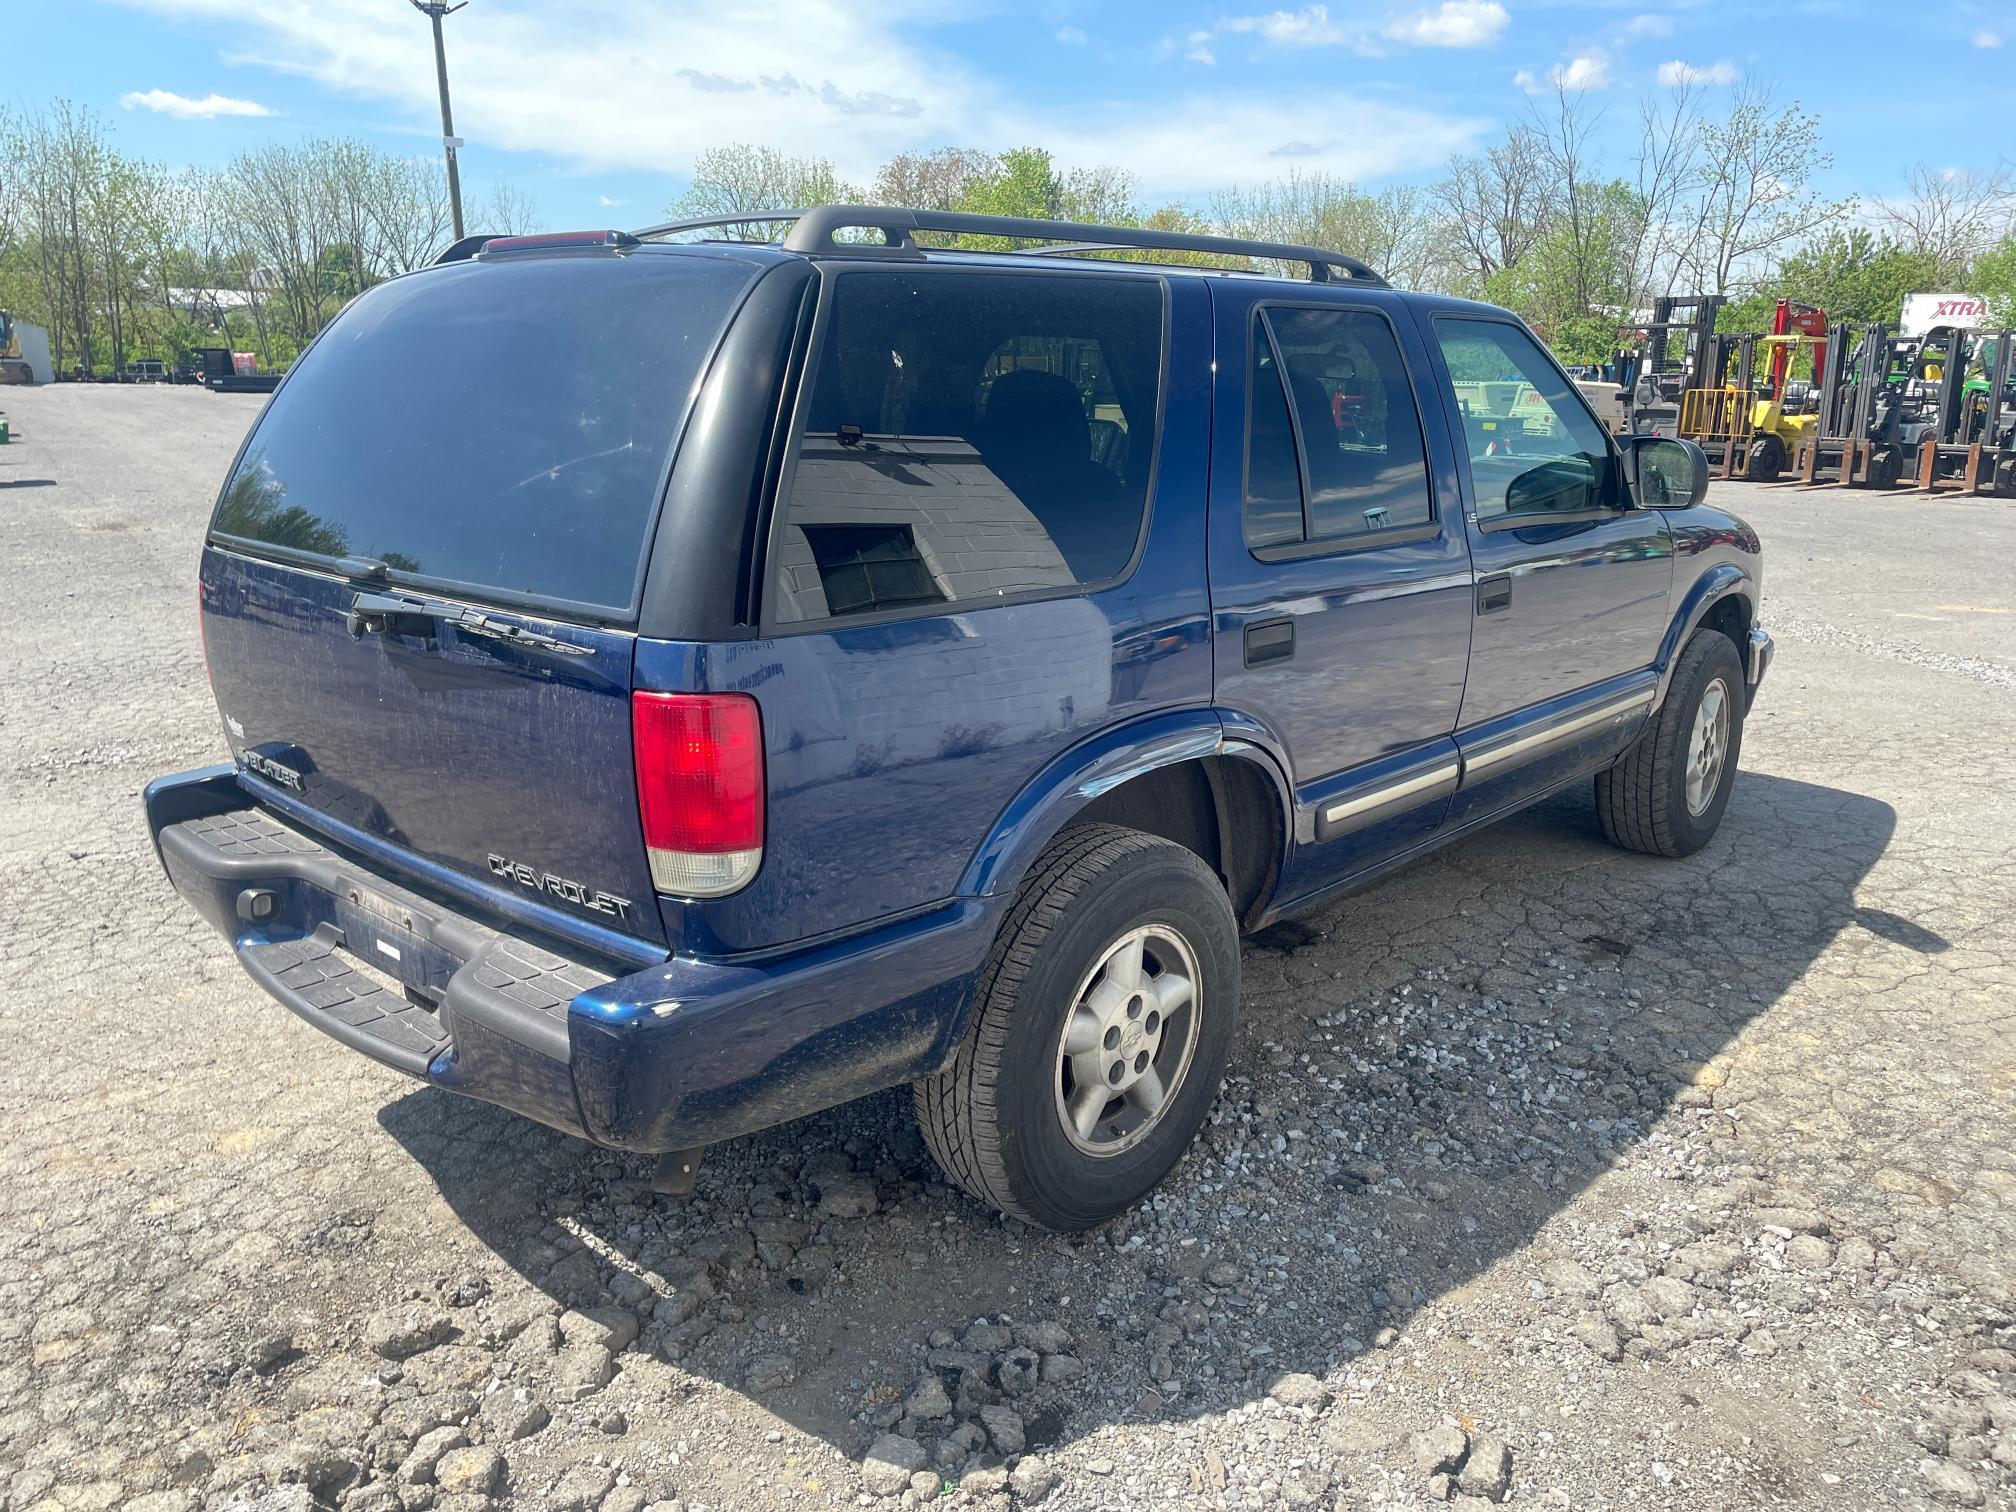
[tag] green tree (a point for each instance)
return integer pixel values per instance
(1856, 275)
(1994, 280)
(745, 177)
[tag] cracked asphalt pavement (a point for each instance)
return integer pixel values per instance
(1546, 1173)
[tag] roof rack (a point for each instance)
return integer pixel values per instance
(813, 230)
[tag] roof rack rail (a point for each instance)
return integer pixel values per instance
(714, 222)
(813, 230)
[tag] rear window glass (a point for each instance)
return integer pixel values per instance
(970, 436)
(498, 426)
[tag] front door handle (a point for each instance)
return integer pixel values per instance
(1494, 593)
(1270, 642)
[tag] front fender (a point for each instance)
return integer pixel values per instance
(1709, 589)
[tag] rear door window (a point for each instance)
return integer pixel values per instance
(501, 428)
(1335, 454)
(970, 436)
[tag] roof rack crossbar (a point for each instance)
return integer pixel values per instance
(716, 222)
(814, 230)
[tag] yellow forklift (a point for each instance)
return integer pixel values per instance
(1709, 390)
(1747, 426)
(1755, 428)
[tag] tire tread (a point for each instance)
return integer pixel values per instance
(1630, 795)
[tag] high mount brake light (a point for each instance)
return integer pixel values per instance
(700, 789)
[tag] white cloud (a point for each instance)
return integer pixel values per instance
(167, 102)
(1309, 27)
(1199, 48)
(1585, 72)
(1204, 142)
(1649, 26)
(1678, 73)
(1453, 23)
(1985, 39)
(655, 82)
(607, 203)
(1071, 36)
(1590, 71)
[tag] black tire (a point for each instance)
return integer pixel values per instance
(1886, 467)
(1642, 800)
(1766, 459)
(992, 1118)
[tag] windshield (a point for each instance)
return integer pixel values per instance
(502, 427)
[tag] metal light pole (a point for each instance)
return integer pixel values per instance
(434, 10)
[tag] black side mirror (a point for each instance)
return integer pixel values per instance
(1666, 472)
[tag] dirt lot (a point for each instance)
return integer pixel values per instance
(1546, 1172)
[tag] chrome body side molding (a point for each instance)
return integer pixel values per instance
(1437, 771)
(1522, 745)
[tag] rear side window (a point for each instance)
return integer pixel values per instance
(1334, 450)
(970, 436)
(500, 427)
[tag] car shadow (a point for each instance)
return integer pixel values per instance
(1426, 1073)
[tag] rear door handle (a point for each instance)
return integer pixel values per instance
(1494, 593)
(1270, 642)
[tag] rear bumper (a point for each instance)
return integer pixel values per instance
(683, 1053)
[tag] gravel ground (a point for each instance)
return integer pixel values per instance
(1546, 1173)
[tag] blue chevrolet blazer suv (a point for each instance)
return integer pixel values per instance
(680, 681)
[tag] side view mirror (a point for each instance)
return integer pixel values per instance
(1666, 472)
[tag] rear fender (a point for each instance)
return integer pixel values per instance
(1099, 765)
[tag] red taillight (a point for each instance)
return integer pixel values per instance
(699, 789)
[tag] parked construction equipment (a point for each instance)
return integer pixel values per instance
(1712, 391)
(15, 366)
(1937, 413)
(1963, 421)
(1857, 438)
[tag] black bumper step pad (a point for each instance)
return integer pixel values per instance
(325, 977)
(495, 987)
(522, 973)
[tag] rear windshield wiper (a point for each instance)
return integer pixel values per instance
(380, 613)
(519, 635)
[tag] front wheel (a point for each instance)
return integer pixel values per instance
(1886, 467)
(1766, 460)
(1100, 1032)
(1666, 795)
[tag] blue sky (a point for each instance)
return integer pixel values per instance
(596, 108)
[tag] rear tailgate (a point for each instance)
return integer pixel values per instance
(506, 762)
(421, 573)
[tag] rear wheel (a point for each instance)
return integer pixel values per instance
(1766, 459)
(1666, 796)
(1100, 1032)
